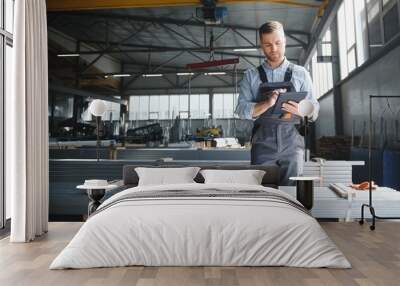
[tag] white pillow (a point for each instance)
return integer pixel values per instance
(166, 176)
(248, 177)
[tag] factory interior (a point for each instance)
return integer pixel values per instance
(160, 108)
(168, 76)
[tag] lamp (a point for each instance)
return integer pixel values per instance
(306, 109)
(97, 109)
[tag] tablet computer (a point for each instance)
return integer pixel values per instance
(270, 86)
(285, 97)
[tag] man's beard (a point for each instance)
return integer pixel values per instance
(276, 58)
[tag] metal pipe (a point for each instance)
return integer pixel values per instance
(370, 152)
(98, 138)
(78, 5)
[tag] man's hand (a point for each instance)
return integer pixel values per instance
(272, 97)
(263, 106)
(291, 107)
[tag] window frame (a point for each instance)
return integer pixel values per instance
(170, 113)
(384, 11)
(321, 70)
(225, 113)
(6, 39)
(381, 14)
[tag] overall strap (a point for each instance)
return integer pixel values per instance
(288, 73)
(263, 75)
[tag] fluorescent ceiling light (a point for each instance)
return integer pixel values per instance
(246, 50)
(185, 73)
(214, 73)
(122, 75)
(68, 55)
(152, 75)
(118, 75)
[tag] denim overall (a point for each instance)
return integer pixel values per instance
(276, 140)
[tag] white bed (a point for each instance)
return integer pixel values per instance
(185, 230)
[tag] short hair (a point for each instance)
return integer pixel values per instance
(270, 27)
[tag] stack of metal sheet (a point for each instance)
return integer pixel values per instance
(331, 171)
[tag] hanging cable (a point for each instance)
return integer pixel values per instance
(234, 101)
(189, 94)
(211, 45)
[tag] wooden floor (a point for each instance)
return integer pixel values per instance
(375, 257)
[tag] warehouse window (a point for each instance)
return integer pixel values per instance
(144, 108)
(178, 106)
(347, 39)
(383, 22)
(183, 106)
(199, 106)
(154, 107)
(390, 18)
(352, 35)
(163, 107)
(364, 27)
(133, 107)
(360, 17)
(375, 35)
(224, 105)
(321, 66)
(173, 111)
(163, 111)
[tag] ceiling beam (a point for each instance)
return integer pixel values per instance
(160, 49)
(170, 49)
(77, 5)
(163, 20)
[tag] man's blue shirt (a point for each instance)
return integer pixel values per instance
(251, 82)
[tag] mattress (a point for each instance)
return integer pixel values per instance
(201, 225)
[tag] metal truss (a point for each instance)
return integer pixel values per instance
(142, 24)
(164, 23)
(139, 48)
(164, 20)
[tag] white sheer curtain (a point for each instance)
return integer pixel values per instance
(27, 124)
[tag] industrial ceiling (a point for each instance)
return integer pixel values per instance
(163, 36)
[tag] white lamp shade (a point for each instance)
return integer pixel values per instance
(97, 107)
(306, 108)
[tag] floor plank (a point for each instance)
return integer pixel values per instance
(375, 257)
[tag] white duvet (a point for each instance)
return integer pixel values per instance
(200, 231)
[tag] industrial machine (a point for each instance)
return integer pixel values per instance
(208, 132)
(145, 134)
